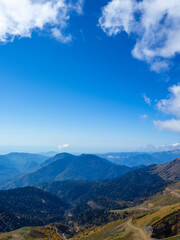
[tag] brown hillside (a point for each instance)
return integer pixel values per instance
(169, 171)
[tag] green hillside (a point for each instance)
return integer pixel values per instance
(69, 167)
(30, 233)
(29, 207)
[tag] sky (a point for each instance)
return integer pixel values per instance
(89, 76)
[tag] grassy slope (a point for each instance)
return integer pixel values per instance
(118, 230)
(151, 217)
(170, 196)
(112, 231)
(115, 231)
(162, 200)
(160, 206)
(149, 213)
(29, 233)
(173, 238)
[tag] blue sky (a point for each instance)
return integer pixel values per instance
(84, 88)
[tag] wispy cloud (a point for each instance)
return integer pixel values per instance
(144, 116)
(60, 37)
(161, 148)
(174, 146)
(172, 125)
(170, 106)
(147, 99)
(18, 18)
(155, 24)
(62, 146)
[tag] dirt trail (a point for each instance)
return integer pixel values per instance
(61, 236)
(173, 192)
(176, 194)
(140, 230)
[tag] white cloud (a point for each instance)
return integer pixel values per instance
(155, 25)
(172, 125)
(148, 148)
(171, 147)
(175, 145)
(147, 99)
(170, 106)
(60, 37)
(159, 66)
(161, 148)
(144, 116)
(117, 16)
(62, 146)
(18, 18)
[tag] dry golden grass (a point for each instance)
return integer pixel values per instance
(153, 216)
(30, 233)
(111, 231)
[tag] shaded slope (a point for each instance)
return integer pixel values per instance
(139, 158)
(7, 168)
(6, 162)
(84, 167)
(7, 173)
(126, 190)
(169, 171)
(168, 226)
(21, 160)
(29, 207)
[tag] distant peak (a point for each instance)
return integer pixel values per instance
(65, 154)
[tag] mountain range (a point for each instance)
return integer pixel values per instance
(89, 202)
(66, 166)
(139, 158)
(22, 169)
(16, 164)
(25, 162)
(124, 191)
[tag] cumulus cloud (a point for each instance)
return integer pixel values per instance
(155, 24)
(18, 18)
(147, 99)
(62, 146)
(170, 106)
(117, 16)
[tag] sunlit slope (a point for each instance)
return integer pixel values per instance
(148, 218)
(170, 196)
(29, 233)
(161, 213)
(169, 171)
(111, 231)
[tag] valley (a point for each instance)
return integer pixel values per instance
(141, 204)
